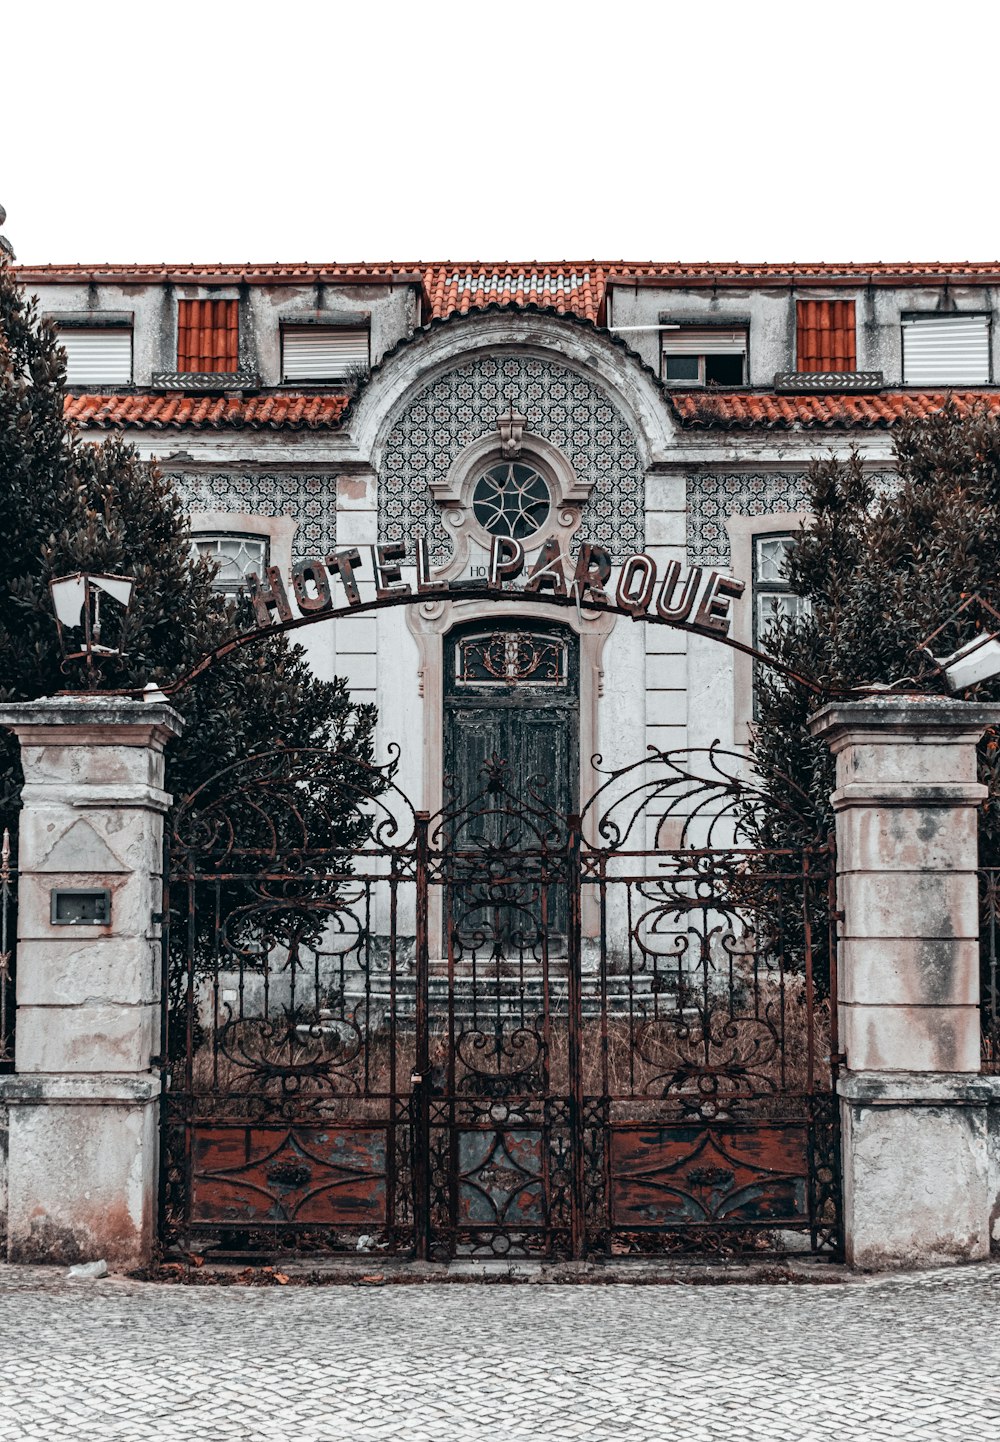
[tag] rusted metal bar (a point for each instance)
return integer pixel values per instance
(7, 1004)
(574, 1024)
(421, 1080)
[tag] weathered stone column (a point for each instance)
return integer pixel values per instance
(913, 1108)
(83, 1099)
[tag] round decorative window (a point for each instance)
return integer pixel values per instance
(511, 499)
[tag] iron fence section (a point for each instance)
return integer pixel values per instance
(497, 1031)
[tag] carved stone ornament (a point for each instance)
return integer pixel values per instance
(511, 428)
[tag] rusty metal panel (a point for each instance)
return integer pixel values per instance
(247, 1175)
(703, 1174)
(500, 1178)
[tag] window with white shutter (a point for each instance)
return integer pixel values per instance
(946, 350)
(704, 355)
(323, 353)
(97, 357)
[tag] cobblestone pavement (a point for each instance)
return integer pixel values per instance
(907, 1358)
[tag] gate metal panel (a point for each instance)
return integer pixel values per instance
(506, 1083)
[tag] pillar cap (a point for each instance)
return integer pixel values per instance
(937, 716)
(106, 719)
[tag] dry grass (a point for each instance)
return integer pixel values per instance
(759, 1048)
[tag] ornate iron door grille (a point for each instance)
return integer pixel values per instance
(372, 1042)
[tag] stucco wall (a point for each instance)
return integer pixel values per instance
(993, 1152)
(770, 313)
(393, 313)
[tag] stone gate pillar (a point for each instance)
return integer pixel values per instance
(913, 1107)
(83, 1098)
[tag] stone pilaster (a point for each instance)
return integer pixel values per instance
(913, 1107)
(83, 1100)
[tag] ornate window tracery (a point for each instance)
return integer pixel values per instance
(511, 658)
(511, 499)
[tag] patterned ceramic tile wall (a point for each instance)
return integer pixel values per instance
(309, 499)
(562, 406)
(714, 495)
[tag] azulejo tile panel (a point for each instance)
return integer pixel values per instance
(307, 498)
(561, 405)
(712, 496)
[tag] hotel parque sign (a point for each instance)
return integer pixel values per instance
(674, 594)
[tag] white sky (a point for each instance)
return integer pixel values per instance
(289, 130)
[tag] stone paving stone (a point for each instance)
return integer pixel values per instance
(911, 1359)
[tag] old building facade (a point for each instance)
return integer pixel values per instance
(664, 412)
(663, 408)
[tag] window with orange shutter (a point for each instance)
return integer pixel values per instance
(208, 336)
(826, 336)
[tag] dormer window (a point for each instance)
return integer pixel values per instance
(704, 355)
(323, 352)
(826, 338)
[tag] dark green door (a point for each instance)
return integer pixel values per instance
(512, 694)
(512, 763)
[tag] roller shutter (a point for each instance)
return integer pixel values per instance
(711, 340)
(97, 357)
(321, 353)
(946, 350)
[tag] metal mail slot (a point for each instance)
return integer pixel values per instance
(71, 907)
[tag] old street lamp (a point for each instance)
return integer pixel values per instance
(84, 618)
(976, 660)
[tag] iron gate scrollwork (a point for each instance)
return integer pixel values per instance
(378, 1037)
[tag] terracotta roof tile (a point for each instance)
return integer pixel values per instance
(696, 410)
(575, 286)
(748, 410)
(578, 289)
(281, 411)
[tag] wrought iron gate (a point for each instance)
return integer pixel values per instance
(375, 1038)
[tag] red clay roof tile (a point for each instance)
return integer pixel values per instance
(746, 410)
(282, 411)
(578, 287)
(696, 410)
